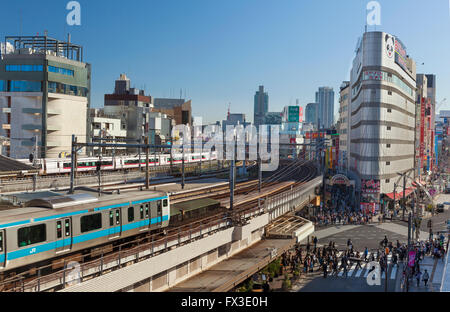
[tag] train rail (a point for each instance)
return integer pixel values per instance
(249, 203)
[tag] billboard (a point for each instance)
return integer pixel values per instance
(301, 114)
(400, 55)
(370, 186)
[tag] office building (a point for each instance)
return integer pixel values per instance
(132, 107)
(311, 113)
(342, 126)
(325, 107)
(261, 107)
(44, 94)
(382, 124)
(179, 110)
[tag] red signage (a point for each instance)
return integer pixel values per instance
(370, 186)
(422, 128)
(300, 114)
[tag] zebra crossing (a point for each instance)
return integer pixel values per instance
(365, 268)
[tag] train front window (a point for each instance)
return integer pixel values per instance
(31, 235)
(165, 202)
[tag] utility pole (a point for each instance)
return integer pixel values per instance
(404, 197)
(233, 176)
(182, 167)
(395, 186)
(147, 182)
(72, 163)
(140, 162)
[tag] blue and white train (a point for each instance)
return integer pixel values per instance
(54, 226)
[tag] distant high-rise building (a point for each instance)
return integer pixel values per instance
(311, 113)
(261, 106)
(325, 109)
(344, 117)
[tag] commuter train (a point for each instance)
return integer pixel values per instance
(52, 225)
(49, 166)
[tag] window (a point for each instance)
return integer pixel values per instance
(388, 145)
(111, 218)
(67, 227)
(24, 68)
(1, 241)
(142, 212)
(165, 202)
(146, 210)
(58, 229)
(389, 110)
(131, 214)
(3, 86)
(59, 70)
(388, 181)
(389, 128)
(25, 86)
(91, 222)
(117, 216)
(389, 92)
(31, 235)
(56, 87)
(388, 163)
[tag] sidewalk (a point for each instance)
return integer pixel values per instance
(435, 268)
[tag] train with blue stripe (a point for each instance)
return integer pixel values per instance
(52, 227)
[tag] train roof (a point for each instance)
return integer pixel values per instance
(51, 205)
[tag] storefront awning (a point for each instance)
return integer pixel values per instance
(399, 195)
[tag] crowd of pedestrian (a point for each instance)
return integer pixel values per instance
(330, 261)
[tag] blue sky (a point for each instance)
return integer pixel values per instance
(221, 51)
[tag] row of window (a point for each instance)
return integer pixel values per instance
(57, 87)
(383, 76)
(60, 70)
(24, 68)
(24, 86)
(38, 68)
(37, 233)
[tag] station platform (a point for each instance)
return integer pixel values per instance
(229, 273)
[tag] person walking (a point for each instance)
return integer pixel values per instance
(418, 275)
(366, 253)
(425, 277)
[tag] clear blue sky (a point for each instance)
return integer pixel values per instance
(221, 51)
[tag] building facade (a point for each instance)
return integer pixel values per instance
(44, 94)
(325, 107)
(261, 106)
(344, 117)
(179, 110)
(132, 107)
(311, 113)
(382, 123)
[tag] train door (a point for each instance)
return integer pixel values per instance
(159, 212)
(63, 234)
(2, 249)
(115, 222)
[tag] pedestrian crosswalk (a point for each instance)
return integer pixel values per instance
(362, 271)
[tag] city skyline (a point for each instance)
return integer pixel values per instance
(206, 64)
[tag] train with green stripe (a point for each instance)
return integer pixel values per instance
(41, 227)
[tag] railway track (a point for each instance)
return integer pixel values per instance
(246, 202)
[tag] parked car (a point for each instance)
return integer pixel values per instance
(440, 207)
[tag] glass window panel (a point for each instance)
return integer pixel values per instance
(25, 86)
(31, 235)
(91, 222)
